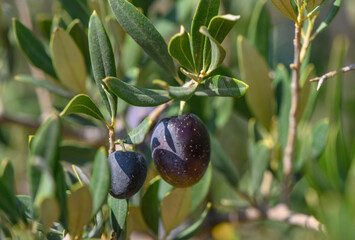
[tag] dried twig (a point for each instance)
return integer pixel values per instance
(328, 75)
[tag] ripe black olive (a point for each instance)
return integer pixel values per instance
(128, 173)
(181, 149)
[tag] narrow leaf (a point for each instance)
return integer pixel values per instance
(222, 162)
(260, 95)
(219, 27)
(8, 203)
(182, 93)
(77, 9)
(180, 49)
(200, 190)
(260, 28)
(206, 10)
(52, 87)
(81, 175)
(82, 103)
(102, 58)
(331, 15)
(118, 214)
(44, 152)
(26, 205)
(175, 208)
(150, 205)
(7, 175)
(100, 180)
(319, 139)
(285, 7)
(259, 157)
(79, 210)
(191, 230)
(33, 48)
(49, 213)
(217, 53)
(137, 135)
(136, 96)
(79, 34)
(135, 221)
(144, 33)
(61, 194)
(222, 86)
(312, 4)
(68, 61)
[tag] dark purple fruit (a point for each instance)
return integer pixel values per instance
(128, 173)
(181, 149)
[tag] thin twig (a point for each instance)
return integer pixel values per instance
(292, 128)
(279, 213)
(328, 75)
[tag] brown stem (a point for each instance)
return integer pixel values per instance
(328, 75)
(292, 129)
(111, 140)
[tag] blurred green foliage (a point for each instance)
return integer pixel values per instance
(248, 134)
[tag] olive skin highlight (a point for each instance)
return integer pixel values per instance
(128, 173)
(181, 149)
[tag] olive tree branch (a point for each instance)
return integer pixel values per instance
(292, 128)
(279, 213)
(328, 75)
(91, 135)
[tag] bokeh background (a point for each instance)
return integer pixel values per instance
(19, 103)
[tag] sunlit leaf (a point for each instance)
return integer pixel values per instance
(68, 61)
(260, 95)
(175, 208)
(285, 7)
(49, 212)
(79, 209)
(192, 229)
(77, 31)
